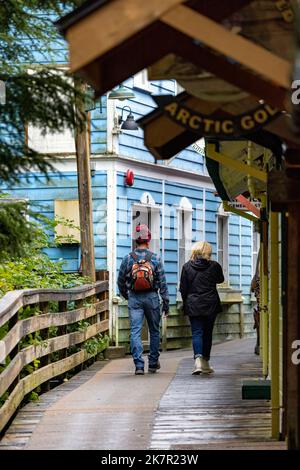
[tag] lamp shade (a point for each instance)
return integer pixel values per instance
(121, 93)
(130, 124)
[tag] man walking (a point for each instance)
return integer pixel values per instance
(141, 279)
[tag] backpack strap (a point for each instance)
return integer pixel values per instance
(133, 255)
(148, 256)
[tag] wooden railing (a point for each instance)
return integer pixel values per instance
(33, 350)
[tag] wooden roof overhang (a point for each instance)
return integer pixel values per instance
(110, 41)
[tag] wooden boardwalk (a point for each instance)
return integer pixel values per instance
(208, 412)
(107, 407)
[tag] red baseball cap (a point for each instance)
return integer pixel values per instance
(142, 234)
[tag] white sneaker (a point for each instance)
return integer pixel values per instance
(197, 367)
(205, 367)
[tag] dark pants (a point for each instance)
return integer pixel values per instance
(202, 328)
(139, 305)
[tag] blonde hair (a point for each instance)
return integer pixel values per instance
(201, 250)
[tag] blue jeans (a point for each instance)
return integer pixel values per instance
(202, 328)
(139, 305)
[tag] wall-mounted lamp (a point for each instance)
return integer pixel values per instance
(129, 124)
(121, 93)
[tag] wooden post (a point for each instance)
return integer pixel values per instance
(293, 326)
(84, 191)
(45, 360)
(274, 309)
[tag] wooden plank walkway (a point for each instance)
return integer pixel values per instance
(25, 423)
(110, 408)
(207, 411)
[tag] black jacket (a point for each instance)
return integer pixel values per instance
(198, 287)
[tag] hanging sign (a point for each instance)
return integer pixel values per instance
(240, 206)
(212, 126)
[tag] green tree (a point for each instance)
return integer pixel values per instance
(35, 94)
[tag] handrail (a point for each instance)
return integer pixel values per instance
(14, 300)
(53, 346)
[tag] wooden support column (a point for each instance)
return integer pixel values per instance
(85, 192)
(274, 309)
(293, 326)
(284, 195)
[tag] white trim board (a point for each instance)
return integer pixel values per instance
(140, 168)
(111, 244)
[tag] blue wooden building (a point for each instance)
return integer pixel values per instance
(177, 199)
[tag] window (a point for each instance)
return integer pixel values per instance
(222, 241)
(51, 143)
(184, 227)
(147, 212)
(140, 80)
(68, 210)
(56, 143)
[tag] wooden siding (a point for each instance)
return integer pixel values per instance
(57, 53)
(42, 193)
(98, 128)
(132, 142)
(211, 208)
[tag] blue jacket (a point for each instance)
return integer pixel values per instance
(160, 283)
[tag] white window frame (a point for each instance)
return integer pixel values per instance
(140, 80)
(184, 232)
(58, 143)
(223, 218)
(184, 210)
(147, 203)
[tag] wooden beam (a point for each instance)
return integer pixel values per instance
(217, 10)
(243, 200)
(110, 26)
(140, 51)
(222, 41)
(218, 65)
(235, 164)
(282, 190)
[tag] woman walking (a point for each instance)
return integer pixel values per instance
(201, 302)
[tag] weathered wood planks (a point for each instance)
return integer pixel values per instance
(96, 318)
